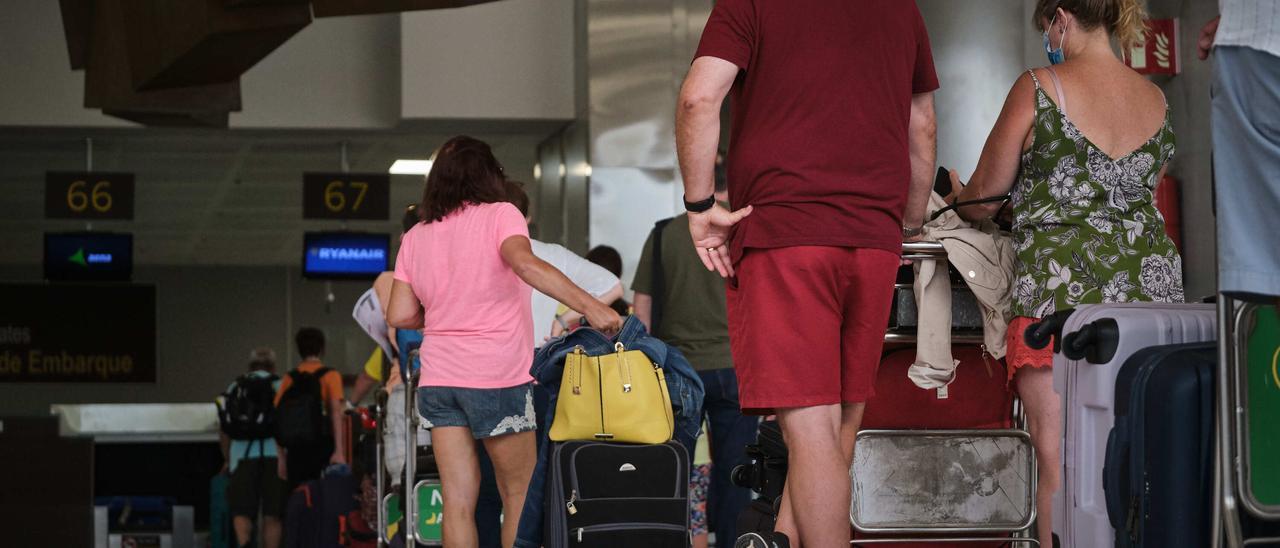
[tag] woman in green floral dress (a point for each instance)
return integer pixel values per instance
(1080, 146)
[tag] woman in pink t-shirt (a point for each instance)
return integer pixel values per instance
(463, 277)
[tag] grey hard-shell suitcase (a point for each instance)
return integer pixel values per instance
(1097, 339)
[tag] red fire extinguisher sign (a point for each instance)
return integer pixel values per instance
(1158, 52)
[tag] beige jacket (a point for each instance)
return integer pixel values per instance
(984, 256)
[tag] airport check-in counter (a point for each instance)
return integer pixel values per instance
(148, 450)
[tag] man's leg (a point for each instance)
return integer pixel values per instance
(274, 494)
(729, 433)
(792, 362)
(244, 529)
(272, 531)
(242, 500)
(816, 468)
(850, 421)
(869, 275)
(1246, 157)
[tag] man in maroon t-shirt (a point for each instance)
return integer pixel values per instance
(831, 159)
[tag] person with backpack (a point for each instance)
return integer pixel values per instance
(309, 413)
(246, 412)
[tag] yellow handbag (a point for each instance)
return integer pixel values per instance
(619, 397)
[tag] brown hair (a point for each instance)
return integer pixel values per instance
(517, 196)
(465, 171)
(410, 219)
(1123, 19)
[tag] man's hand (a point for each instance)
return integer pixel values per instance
(1207, 35)
(710, 232)
(337, 457)
(282, 469)
(226, 468)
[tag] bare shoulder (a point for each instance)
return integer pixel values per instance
(1142, 95)
(1022, 95)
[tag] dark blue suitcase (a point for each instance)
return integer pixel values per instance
(1158, 475)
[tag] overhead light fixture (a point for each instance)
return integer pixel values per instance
(410, 167)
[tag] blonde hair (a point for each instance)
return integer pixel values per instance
(1124, 19)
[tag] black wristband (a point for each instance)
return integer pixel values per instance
(700, 205)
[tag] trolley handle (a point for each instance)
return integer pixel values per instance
(1038, 335)
(1095, 343)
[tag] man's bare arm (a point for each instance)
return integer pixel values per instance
(697, 140)
(923, 139)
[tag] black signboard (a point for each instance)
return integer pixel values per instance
(88, 256)
(77, 333)
(88, 195)
(346, 196)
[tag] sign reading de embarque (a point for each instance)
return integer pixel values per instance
(77, 333)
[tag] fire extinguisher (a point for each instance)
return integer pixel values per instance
(1169, 203)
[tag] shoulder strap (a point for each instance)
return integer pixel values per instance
(1034, 80)
(658, 275)
(1057, 85)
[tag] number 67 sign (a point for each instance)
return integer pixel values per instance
(88, 195)
(359, 196)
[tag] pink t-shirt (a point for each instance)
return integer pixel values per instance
(478, 331)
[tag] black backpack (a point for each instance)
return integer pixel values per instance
(248, 410)
(300, 417)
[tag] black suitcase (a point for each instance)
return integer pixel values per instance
(1158, 473)
(615, 495)
(766, 474)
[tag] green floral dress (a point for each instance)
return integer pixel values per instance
(1085, 226)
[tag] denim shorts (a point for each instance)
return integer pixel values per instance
(488, 412)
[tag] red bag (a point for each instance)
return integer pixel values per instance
(979, 397)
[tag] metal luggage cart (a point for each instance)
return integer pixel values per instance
(967, 484)
(1237, 461)
(415, 530)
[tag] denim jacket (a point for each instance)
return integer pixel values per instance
(548, 365)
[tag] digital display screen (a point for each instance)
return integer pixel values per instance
(88, 256)
(349, 255)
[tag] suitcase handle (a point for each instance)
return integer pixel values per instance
(1112, 479)
(1095, 343)
(1039, 334)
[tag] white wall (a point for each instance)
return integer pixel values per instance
(338, 72)
(39, 88)
(978, 52)
(511, 59)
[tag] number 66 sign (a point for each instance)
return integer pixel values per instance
(88, 195)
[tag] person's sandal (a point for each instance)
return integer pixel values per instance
(763, 540)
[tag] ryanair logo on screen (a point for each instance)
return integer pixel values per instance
(348, 254)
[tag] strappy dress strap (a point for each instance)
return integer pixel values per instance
(1034, 80)
(1057, 85)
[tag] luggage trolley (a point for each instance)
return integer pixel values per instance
(967, 484)
(1248, 396)
(425, 495)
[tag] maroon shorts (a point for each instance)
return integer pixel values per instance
(807, 324)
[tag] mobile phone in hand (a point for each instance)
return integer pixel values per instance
(942, 182)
